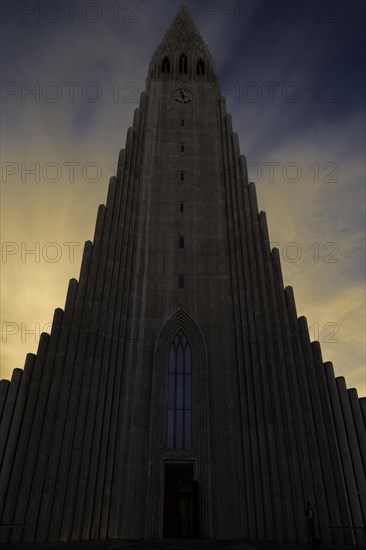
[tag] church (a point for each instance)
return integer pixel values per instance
(179, 394)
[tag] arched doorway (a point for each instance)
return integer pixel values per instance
(178, 502)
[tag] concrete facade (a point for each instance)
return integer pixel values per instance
(180, 249)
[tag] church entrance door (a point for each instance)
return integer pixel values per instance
(180, 501)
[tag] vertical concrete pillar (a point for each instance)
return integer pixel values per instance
(65, 364)
(309, 440)
(301, 479)
(232, 183)
(339, 510)
(93, 498)
(357, 519)
(81, 520)
(4, 386)
(121, 507)
(322, 464)
(285, 426)
(363, 409)
(265, 426)
(76, 352)
(105, 514)
(105, 517)
(12, 441)
(8, 411)
(353, 444)
(106, 520)
(28, 501)
(283, 512)
(256, 507)
(246, 325)
(359, 423)
(47, 463)
(18, 480)
(236, 233)
(85, 421)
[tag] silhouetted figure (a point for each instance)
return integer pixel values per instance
(311, 525)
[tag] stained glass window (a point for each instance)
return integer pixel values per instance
(179, 414)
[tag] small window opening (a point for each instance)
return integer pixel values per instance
(182, 148)
(183, 64)
(180, 281)
(182, 122)
(165, 66)
(181, 207)
(181, 242)
(181, 176)
(200, 67)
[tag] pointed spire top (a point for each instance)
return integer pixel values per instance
(182, 38)
(182, 34)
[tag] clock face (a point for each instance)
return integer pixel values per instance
(183, 96)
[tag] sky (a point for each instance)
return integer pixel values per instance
(293, 74)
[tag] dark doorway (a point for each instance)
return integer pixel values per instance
(180, 501)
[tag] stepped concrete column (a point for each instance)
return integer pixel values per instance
(357, 519)
(10, 402)
(17, 481)
(4, 386)
(363, 409)
(353, 443)
(13, 436)
(359, 423)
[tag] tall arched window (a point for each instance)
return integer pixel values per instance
(183, 64)
(200, 67)
(179, 413)
(165, 66)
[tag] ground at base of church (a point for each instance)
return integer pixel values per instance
(170, 545)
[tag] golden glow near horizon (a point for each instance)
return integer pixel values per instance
(58, 157)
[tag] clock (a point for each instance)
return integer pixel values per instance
(183, 96)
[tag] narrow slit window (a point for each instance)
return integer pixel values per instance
(181, 281)
(183, 64)
(181, 207)
(182, 122)
(182, 148)
(181, 242)
(181, 176)
(165, 66)
(200, 67)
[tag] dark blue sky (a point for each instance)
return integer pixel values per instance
(312, 51)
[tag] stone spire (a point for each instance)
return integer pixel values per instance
(182, 37)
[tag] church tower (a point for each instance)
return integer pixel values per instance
(178, 393)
